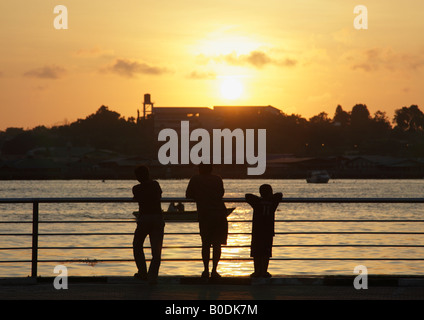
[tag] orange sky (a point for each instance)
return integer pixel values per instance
(301, 56)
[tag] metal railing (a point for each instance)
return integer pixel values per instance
(35, 234)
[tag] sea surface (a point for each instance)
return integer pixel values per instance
(298, 247)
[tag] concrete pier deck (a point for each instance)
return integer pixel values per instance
(226, 288)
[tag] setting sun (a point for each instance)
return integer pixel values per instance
(231, 88)
(194, 54)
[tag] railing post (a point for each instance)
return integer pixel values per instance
(34, 239)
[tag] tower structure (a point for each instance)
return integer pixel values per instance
(147, 106)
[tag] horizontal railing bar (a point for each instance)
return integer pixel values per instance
(234, 200)
(95, 261)
(230, 221)
(341, 220)
(196, 233)
(73, 221)
(348, 232)
(72, 234)
(70, 200)
(228, 246)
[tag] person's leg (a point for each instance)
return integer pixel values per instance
(156, 241)
(205, 257)
(140, 260)
(204, 230)
(256, 253)
(266, 258)
(257, 267)
(215, 259)
(265, 263)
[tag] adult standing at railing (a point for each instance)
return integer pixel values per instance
(149, 222)
(207, 190)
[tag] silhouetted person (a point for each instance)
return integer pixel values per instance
(263, 228)
(149, 222)
(207, 190)
(172, 207)
(180, 207)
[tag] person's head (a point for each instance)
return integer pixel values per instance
(205, 168)
(142, 173)
(265, 190)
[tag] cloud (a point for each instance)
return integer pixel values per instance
(46, 72)
(128, 68)
(372, 60)
(386, 59)
(256, 58)
(288, 62)
(202, 75)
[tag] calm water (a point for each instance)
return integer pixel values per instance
(234, 188)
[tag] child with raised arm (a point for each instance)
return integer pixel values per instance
(263, 228)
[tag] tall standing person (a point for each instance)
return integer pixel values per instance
(207, 190)
(150, 223)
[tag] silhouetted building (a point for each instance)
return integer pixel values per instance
(203, 117)
(171, 117)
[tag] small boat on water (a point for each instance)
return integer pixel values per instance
(318, 177)
(182, 216)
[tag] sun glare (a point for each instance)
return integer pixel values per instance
(231, 88)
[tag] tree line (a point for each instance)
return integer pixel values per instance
(346, 132)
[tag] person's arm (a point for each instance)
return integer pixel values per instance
(278, 197)
(134, 192)
(159, 190)
(190, 190)
(251, 199)
(136, 213)
(221, 188)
